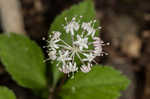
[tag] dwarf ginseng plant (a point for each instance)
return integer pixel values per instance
(73, 44)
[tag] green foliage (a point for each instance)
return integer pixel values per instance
(100, 83)
(6, 93)
(85, 9)
(23, 59)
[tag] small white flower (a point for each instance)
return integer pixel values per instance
(68, 68)
(71, 26)
(81, 42)
(86, 69)
(64, 56)
(73, 67)
(56, 35)
(64, 69)
(52, 44)
(89, 57)
(98, 51)
(87, 26)
(98, 46)
(52, 55)
(81, 48)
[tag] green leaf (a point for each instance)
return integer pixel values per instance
(85, 9)
(23, 59)
(100, 83)
(6, 93)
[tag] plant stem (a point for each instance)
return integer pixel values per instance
(51, 92)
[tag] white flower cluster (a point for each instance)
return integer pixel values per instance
(83, 37)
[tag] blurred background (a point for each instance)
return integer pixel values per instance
(125, 24)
